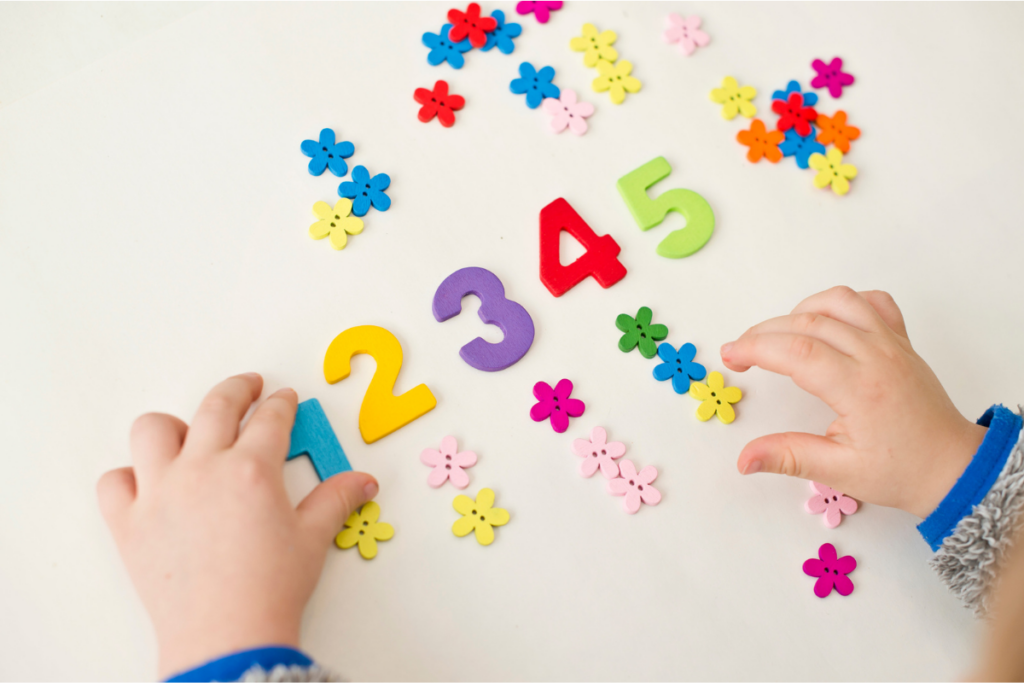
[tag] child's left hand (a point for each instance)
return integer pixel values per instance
(218, 554)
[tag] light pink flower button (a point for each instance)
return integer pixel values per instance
(448, 463)
(598, 453)
(833, 503)
(567, 112)
(635, 486)
(686, 32)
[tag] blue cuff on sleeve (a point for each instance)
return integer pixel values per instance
(973, 485)
(232, 667)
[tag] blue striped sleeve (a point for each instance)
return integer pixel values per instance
(1003, 431)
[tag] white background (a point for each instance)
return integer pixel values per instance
(153, 215)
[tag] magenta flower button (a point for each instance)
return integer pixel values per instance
(555, 404)
(831, 571)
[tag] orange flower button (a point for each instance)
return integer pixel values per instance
(762, 143)
(835, 131)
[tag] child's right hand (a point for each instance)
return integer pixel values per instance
(898, 440)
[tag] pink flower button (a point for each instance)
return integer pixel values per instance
(598, 453)
(686, 32)
(833, 503)
(635, 486)
(556, 404)
(448, 463)
(831, 571)
(567, 112)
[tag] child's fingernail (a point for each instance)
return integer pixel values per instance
(753, 467)
(287, 391)
(726, 347)
(371, 490)
(251, 375)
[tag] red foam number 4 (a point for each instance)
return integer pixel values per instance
(599, 260)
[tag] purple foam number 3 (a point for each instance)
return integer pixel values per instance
(495, 309)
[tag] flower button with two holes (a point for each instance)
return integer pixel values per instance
(478, 515)
(326, 153)
(335, 222)
(716, 398)
(686, 32)
(833, 503)
(831, 571)
(639, 332)
(679, 366)
(832, 171)
(616, 80)
(541, 10)
(635, 486)
(734, 99)
(566, 112)
(470, 24)
(362, 528)
(364, 191)
(598, 453)
(793, 113)
(448, 463)
(834, 130)
(831, 76)
(555, 404)
(595, 45)
(801, 146)
(502, 35)
(438, 102)
(444, 50)
(810, 98)
(536, 85)
(763, 144)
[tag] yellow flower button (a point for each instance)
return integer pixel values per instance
(715, 398)
(362, 528)
(595, 46)
(615, 79)
(478, 515)
(335, 222)
(832, 171)
(734, 99)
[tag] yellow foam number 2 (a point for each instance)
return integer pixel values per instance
(700, 219)
(382, 412)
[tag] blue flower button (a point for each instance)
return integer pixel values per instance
(801, 147)
(535, 84)
(679, 366)
(502, 35)
(810, 98)
(364, 191)
(442, 49)
(327, 154)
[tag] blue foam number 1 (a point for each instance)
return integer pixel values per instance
(312, 435)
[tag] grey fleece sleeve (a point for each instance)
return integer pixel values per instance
(969, 559)
(287, 674)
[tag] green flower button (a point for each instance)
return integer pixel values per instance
(640, 332)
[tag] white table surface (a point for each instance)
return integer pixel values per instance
(153, 215)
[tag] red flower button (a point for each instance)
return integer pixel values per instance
(793, 114)
(439, 103)
(470, 23)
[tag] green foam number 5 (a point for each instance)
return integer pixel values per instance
(700, 219)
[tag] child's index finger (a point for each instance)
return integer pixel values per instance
(215, 425)
(815, 366)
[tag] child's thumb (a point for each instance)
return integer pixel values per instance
(327, 506)
(795, 454)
